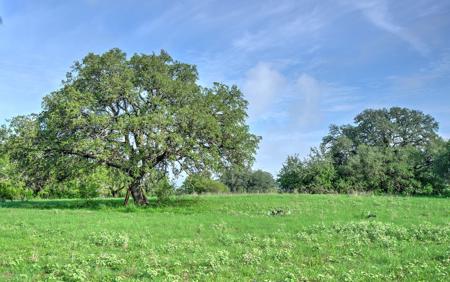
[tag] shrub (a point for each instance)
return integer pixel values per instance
(13, 191)
(315, 174)
(88, 190)
(200, 184)
(163, 189)
(7, 191)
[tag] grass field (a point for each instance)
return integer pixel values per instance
(228, 238)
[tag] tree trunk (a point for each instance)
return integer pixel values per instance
(127, 197)
(138, 194)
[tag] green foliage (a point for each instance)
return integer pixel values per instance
(88, 190)
(32, 165)
(290, 176)
(11, 191)
(394, 151)
(244, 180)
(313, 175)
(76, 188)
(163, 189)
(236, 179)
(394, 127)
(110, 182)
(199, 184)
(145, 115)
(318, 174)
(7, 191)
(439, 174)
(101, 182)
(261, 181)
(11, 187)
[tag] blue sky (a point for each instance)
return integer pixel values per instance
(301, 64)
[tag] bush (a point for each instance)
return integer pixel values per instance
(163, 189)
(11, 186)
(88, 190)
(13, 191)
(7, 191)
(85, 188)
(313, 175)
(200, 184)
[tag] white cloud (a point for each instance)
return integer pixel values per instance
(310, 91)
(313, 99)
(278, 100)
(263, 86)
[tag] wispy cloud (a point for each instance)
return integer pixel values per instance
(299, 101)
(289, 23)
(263, 87)
(310, 90)
(377, 12)
(420, 80)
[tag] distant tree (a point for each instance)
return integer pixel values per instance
(433, 166)
(340, 143)
(394, 150)
(318, 173)
(245, 180)
(394, 127)
(442, 163)
(382, 170)
(112, 182)
(290, 175)
(261, 181)
(236, 179)
(364, 170)
(144, 116)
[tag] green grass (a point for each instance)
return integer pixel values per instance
(228, 238)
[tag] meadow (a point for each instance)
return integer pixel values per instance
(270, 237)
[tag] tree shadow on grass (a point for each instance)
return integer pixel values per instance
(99, 204)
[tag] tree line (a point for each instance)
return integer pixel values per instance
(395, 151)
(124, 127)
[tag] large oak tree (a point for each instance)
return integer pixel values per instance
(145, 116)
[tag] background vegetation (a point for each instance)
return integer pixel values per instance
(394, 151)
(125, 127)
(383, 153)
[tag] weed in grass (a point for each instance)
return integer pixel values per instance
(252, 257)
(109, 239)
(278, 212)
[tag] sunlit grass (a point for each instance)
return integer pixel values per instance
(227, 238)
